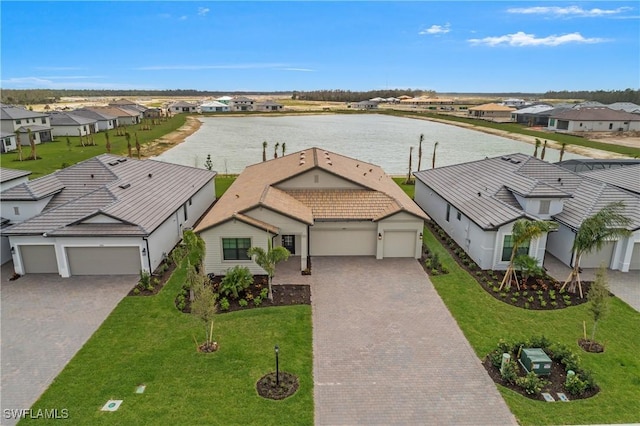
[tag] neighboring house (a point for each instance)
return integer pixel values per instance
(182, 107)
(476, 203)
(106, 215)
(625, 177)
(626, 107)
(241, 103)
(594, 119)
(214, 106)
(514, 102)
(14, 119)
(105, 121)
(426, 101)
(491, 111)
(8, 179)
(268, 106)
(125, 117)
(364, 105)
(8, 142)
(69, 124)
(531, 115)
(392, 100)
(224, 99)
(314, 203)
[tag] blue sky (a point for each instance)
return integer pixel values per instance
(454, 46)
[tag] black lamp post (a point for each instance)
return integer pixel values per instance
(277, 349)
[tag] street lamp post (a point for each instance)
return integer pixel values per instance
(277, 349)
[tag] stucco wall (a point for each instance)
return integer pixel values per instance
(317, 179)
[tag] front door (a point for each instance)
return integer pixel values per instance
(289, 242)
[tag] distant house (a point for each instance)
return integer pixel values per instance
(182, 107)
(214, 106)
(224, 99)
(105, 121)
(241, 103)
(491, 111)
(125, 117)
(108, 215)
(69, 124)
(476, 203)
(8, 142)
(626, 107)
(514, 102)
(364, 105)
(14, 119)
(268, 106)
(8, 179)
(393, 100)
(532, 115)
(594, 119)
(427, 101)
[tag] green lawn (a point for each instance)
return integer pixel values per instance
(484, 320)
(53, 155)
(223, 182)
(408, 189)
(146, 340)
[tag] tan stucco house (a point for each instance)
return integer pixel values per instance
(314, 203)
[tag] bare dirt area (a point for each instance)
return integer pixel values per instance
(172, 139)
(630, 139)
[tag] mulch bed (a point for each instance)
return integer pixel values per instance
(267, 387)
(589, 345)
(158, 280)
(556, 379)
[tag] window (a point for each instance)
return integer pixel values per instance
(507, 248)
(18, 122)
(544, 207)
(184, 207)
(16, 211)
(459, 216)
(448, 212)
(44, 120)
(552, 122)
(610, 126)
(235, 248)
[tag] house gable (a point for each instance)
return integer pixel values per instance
(317, 179)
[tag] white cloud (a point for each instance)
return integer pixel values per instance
(298, 69)
(521, 39)
(202, 11)
(209, 67)
(49, 83)
(183, 18)
(436, 29)
(568, 11)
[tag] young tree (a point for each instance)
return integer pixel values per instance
(420, 151)
(535, 152)
(267, 260)
(264, 151)
(433, 159)
(127, 136)
(68, 144)
(528, 266)
(599, 297)
(275, 150)
(80, 134)
(284, 148)
(523, 231)
(204, 307)
(562, 148)
(19, 145)
(607, 224)
(32, 143)
(208, 164)
(408, 180)
(137, 145)
(108, 143)
(544, 150)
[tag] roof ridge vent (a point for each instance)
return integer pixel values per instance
(125, 185)
(113, 163)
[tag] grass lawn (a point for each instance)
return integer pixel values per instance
(408, 189)
(223, 182)
(147, 341)
(484, 320)
(53, 155)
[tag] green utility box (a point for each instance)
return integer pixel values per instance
(534, 359)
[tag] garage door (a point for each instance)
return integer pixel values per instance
(39, 259)
(597, 258)
(399, 244)
(635, 257)
(343, 242)
(103, 260)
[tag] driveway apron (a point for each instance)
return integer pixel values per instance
(388, 352)
(45, 321)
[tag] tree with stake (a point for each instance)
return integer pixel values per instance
(264, 151)
(19, 145)
(599, 297)
(267, 260)
(208, 164)
(284, 148)
(544, 150)
(420, 151)
(275, 151)
(127, 136)
(108, 144)
(204, 307)
(408, 181)
(535, 152)
(137, 145)
(562, 148)
(80, 134)
(523, 231)
(68, 144)
(32, 143)
(433, 159)
(609, 223)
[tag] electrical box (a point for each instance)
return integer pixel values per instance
(536, 360)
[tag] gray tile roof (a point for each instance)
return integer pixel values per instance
(36, 189)
(484, 190)
(8, 112)
(139, 194)
(625, 106)
(95, 114)
(10, 174)
(595, 114)
(627, 177)
(69, 119)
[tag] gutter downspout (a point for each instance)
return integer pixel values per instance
(146, 241)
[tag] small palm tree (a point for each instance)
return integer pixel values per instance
(32, 143)
(128, 138)
(408, 181)
(433, 159)
(264, 151)
(523, 231)
(609, 223)
(284, 148)
(562, 148)
(267, 260)
(420, 151)
(137, 145)
(108, 144)
(535, 152)
(275, 151)
(544, 150)
(18, 146)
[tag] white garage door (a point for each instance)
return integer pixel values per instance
(40, 259)
(343, 242)
(399, 244)
(635, 257)
(104, 260)
(597, 258)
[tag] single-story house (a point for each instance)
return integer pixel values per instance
(594, 119)
(224, 99)
(214, 106)
(241, 103)
(125, 117)
(314, 203)
(268, 106)
(531, 115)
(105, 121)
(8, 179)
(182, 107)
(69, 124)
(626, 176)
(625, 106)
(476, 203)
(514, 102)
(491, 111)
(102, 216)
(364, 105)
(15, 119)
(8, 142)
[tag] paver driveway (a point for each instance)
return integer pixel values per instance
(45, 321)
(387, 351)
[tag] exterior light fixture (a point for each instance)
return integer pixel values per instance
(144, 251)
(379, 236)
(13, 249)
(420, 236)
(277, 350)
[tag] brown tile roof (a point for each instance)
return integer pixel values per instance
(257, 186)
(492, 107)
(596, 114)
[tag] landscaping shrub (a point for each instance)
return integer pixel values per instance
(531, 383)
(237, 279)
(510, 372)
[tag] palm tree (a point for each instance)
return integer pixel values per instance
(128, 138)
(137, 145)
(18, 145)
(408, 181)
(80, 133)
(275, 151)
(106, 136)
(264, 151)
(609, 223)
(32, 143)
(564, 145)
(420, 151)
(523, 231)
(544, 150)
(267, 260)
(535, 153)
(433, 159)
(284, 148)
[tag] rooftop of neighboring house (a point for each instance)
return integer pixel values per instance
(375, 197)
(241, 99)
(485, 190)
(625, 106)
(107, 195)
(95, 114)
(7, 175)
(269, 103)
(114, 111)
(492, 107)
(534, 109)
(213, 104)
(595, 114)
(69, 119)
(10, 112)
(181, 104)
(626, 177)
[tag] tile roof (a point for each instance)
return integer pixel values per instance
(8, 112)
(140, 194)
(69, 119)
(484, 190)
(492, 107)
(595, 114)
(114, 111)
(258, 184)
(626, 177)
(95, 114)
(182, 104)
(36, 189)
(625, 106)
(10, 174)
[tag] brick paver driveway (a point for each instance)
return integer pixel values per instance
(387, 351)
(45, 321)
